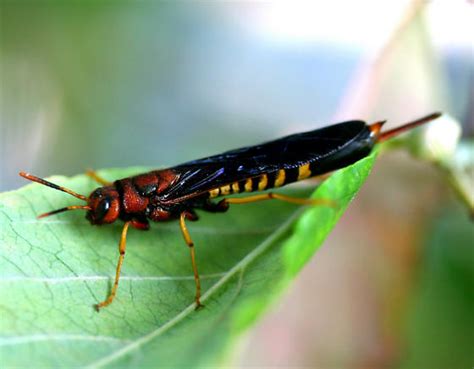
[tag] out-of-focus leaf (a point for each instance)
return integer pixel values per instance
(439, 328)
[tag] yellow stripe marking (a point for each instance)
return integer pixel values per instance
(262, 184)
(225, 190)
(248, 185)
(214, 192)
(280, 178)
(235, 187)
(304, 172)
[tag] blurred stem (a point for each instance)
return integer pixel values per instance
(456, 177)
(460, 187)
(362, 92)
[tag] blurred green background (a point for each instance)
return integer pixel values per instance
(88, 84)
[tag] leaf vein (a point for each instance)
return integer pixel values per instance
(95, 278)
(190, 309)
(18, 340)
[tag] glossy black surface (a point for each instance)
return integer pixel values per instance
(326, 149)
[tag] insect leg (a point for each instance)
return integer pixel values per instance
(91, 173)
(140, 223)
(219, 207)
(276, 196)
(190, 243)
(122, 246)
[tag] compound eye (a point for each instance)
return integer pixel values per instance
(102, 209)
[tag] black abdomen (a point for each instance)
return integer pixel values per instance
(297, 157)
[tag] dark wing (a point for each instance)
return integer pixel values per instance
(198, 176)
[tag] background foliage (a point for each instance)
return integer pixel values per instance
(118, 84)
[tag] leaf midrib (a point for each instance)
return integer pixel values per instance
(101, 278)
(239, 267)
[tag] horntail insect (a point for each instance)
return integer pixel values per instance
(175, 193)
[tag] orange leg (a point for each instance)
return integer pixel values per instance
(276, 196)
(190, 243)
(122, 246)
(91, 173)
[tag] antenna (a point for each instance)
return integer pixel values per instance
(52, 185)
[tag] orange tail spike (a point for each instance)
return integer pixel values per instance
(384, 136)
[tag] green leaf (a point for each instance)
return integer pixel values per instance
(53, 270)
(438, 329)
